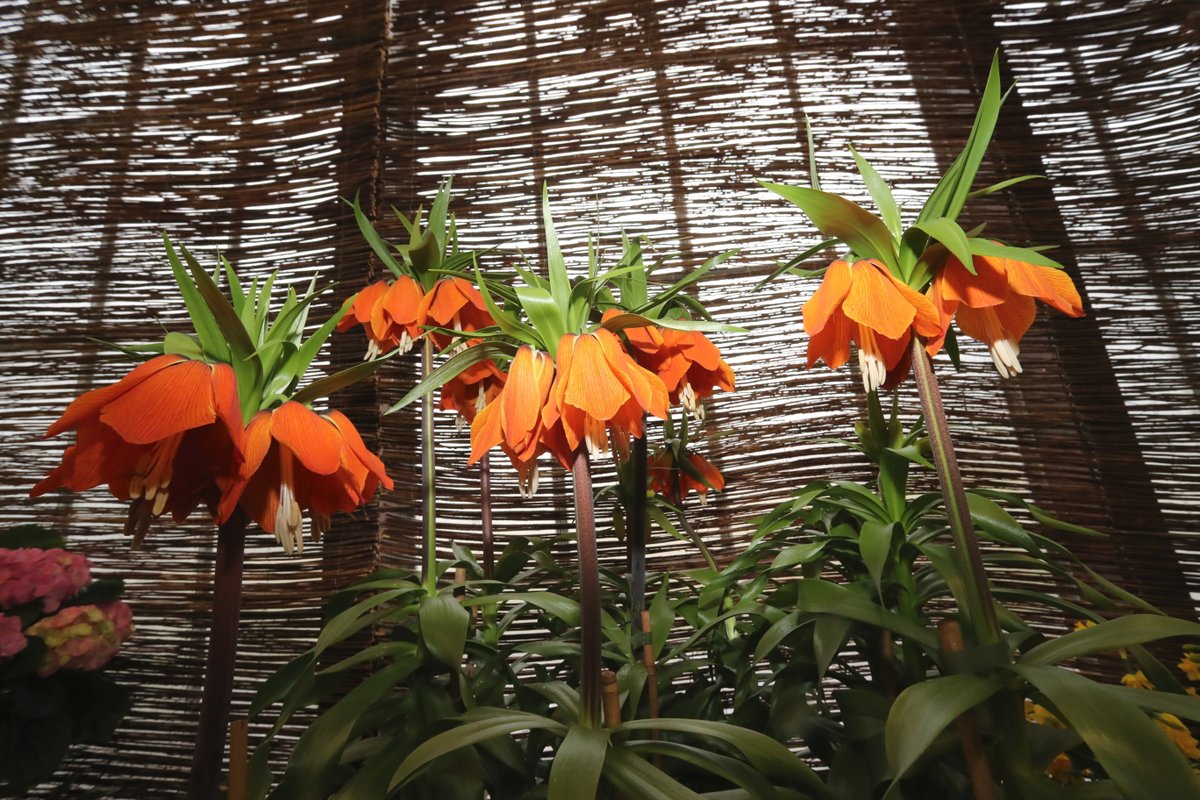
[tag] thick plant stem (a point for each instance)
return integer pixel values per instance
(981, 610)
(428, 478)
(222, 653)
(485, 516)
(637, 530)
(950, 637)
(589, 592)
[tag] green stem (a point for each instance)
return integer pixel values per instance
(981, 610)
(589, 592)
(428, 478)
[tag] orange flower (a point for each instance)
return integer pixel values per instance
(662, 470)
(865, 304)
(168, 436)
(297, 460)
(689, 365)
(996, 304)
(600, 389)
(388, 314)
(453, 303)
(472, 389)
(514, 419)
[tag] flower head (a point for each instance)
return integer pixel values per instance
(663, 472)
(296, 461)
(388, 314)
(995, 305)
(514, 419)
(12, 640)
(689, 365)
(865, 304)
(453, 303)
(472, 389)
(1179, 734)
(1136, 680)
(168, 436)
(1190, 664)
(83, 637)
(52, 576)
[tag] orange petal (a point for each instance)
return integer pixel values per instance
(926, 319)
(1052, 286)
(831, 344)
(403, 301)
(987, 287)
(485, 431)
(828, 297)
(591, 385)
(171, 400)
(646, 388)
(353, 440)
(255, 445)
(529, 380)
(710, 473)
(90, 403)
(874, 301)
(228, 404)
(313, 440)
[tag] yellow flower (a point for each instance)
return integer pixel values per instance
(1190, 666)
(1060, 770)
(1179, 734)
(1081, 624)
(1040, 715)
(1137, 680)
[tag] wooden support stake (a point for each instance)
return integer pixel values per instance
(612, 698)
(651, 669)
(950, 636)
(239, 758)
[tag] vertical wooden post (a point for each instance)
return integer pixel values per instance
(612, 698)
(651, 669)
(950, 636)
(239, 754)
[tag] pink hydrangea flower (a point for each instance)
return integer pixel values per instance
(12, 640)
(52, 576)
(83, 637)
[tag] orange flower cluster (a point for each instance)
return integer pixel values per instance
(689, 365)
(663, 473)
(389, 314)
(865, 304)
(169, 436)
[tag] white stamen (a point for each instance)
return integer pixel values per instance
(594, 447)
(873, 370)
(702, 498)
(1004, 356)
(289, 530)
(691, 403)
(320, 524)
(373, 351)
(160, 504)
(527, 480)
(406, 343)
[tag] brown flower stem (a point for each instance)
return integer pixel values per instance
(978, 768)
(222, 653)
(981, 610)
(637, 530)
(589, 592)
(428, 478)
(485, 516)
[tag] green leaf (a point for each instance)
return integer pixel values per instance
(839, 218)
(634, 779)
(444, 625)
(779, 630)
(453, 367)
(560, 283)
(731, 769)
(791, 264)
(992, 519)
(620, 322)
(1110, 636)
(922, 712)
(564, 608)
(662, 617)
(1136, 754)
(479, 724)
(222, 312)
(1002, 185)
(378, 245)
(874, 544)
(822, 597)
(798, 554)
(829, 634)
(881, 193)
(182, 344)
(950, 234)
(1184, 706)
(545, 313)
(505, 321)
(205, 325)
(764, 753)
(315, 759)
(340, 380)
(350, 620)
(986, 247)
(575, 771)
(813, 178)
(31, 535)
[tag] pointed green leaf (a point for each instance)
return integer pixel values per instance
(444, 625)
(560, 283)
(627, 320)
(829, 635)
(578, 762)
(822, 597)
(546, 314)
(453, 367)
(1002, 185)
(986, 247)
(813, 178)
(874, 544)
(205, 325)
(378, 245)
(924, 710)
(1110, 636)
(636, 779)
(839, 218)
(339, 380)
(182, 344)
(790, 266)
(881, 193)
(994, 520)
(950, 234)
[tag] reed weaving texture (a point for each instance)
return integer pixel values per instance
(238, 125)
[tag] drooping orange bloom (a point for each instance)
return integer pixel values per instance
(455, 304)
(662, 471)
(388, 314)
(514, 419)
(865, 304)
(600, 390)
(688, 363)
(167, 437)
(297, 460)
(472, 389)
(995, 305)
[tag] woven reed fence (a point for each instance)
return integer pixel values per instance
(236, 126)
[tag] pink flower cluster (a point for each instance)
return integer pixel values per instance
(52, 576)
(83, 637)
(12, 641)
